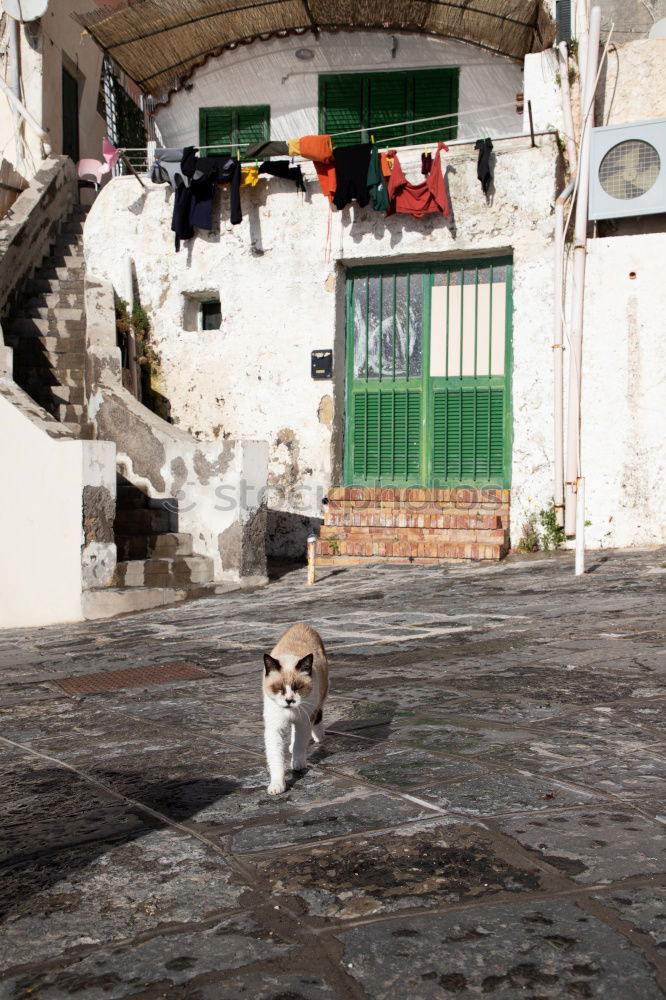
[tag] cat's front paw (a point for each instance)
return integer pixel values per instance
(277, 787)
(298, 764)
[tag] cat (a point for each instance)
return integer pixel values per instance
(295, 687)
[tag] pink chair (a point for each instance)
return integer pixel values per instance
(95, 170)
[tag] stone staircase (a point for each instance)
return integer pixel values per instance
(389, 524)
(47, 330)
(151, 551)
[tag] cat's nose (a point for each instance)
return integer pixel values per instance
(290, 701)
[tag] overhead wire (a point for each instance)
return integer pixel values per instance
(429, 118)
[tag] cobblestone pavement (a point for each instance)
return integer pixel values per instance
(485, 819)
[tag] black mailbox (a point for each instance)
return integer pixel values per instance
(322, 364)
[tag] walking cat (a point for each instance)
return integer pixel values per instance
(295, 688)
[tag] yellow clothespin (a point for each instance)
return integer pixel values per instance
(238, 154)
(372, 139)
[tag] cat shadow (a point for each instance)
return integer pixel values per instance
(67, 825)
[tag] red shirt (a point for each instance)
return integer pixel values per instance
(420, 199)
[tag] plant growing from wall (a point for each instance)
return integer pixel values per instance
(147, 357)
(551, 534)
(529, 537)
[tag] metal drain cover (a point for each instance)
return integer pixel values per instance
(115, 680)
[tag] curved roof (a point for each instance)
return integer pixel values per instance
(159, 42)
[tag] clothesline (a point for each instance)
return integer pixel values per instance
(417, 121)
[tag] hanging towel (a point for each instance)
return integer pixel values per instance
(377, 183)
(283, 168)
(262, 150)
(483, 168)
(420, 199)
(351, 167)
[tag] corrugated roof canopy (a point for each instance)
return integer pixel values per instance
(159, 42)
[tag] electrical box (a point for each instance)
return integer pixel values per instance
(322, 364)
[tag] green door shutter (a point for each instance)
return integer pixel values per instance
(468, 434)
(386, 436)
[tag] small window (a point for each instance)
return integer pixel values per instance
(563, 19)
(225, 130)
(211, 315)
(360, 104)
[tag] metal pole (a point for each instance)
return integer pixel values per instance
(529, 112)
(312, 554)
(573, 465)
(580, 527)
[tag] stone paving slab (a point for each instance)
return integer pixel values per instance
(484, 819)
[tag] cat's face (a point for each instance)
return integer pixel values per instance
(288, 683)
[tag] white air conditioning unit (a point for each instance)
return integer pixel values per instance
(628, 170)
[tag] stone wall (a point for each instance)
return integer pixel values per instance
(281, 286)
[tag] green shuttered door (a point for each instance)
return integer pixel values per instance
(428, 375)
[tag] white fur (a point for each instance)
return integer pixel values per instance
(283, 722)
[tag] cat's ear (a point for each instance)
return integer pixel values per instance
(305, 665)
(270, 663)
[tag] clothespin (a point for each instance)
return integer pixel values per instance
(238, 154)
(372, 139)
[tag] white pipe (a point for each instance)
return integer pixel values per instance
(558, 355)
(15, 50)
(573, 469)
(580, 527)
(567, 114)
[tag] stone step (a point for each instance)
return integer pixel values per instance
(410, 551)
(56, 394)
(107, 602)
(68, 413)
(146, 521)
(72, 225)
(67, 261)
(179, 571)
(57, 299)
(55, 315)
(61, 287)
(60, 273)
(406, 517)
(40, 326)
(166, 546)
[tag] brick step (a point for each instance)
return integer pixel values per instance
(412, 550)
(385, 494)
(435, 535)
(166, 546)
(179, 571)
(143, 521)
(404, 517)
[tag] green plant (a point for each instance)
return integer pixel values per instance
(551, 534)
(573, 48)
(334, 546)
(529, 538)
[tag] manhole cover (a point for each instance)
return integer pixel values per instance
(114, 680)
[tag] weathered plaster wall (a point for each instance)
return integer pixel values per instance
(624, 391)
(269, 73)
(55, 543)
(282, 296)
(44, 46)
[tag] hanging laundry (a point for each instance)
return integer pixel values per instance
(483, 167)
(319, 149)
(386, 162)
(204, 174)
(377, 183)
(283, 168)
(420, 199)
(166, 168)
(249, 176)
(294, 147)
(262, 150)
(180, 219)
(351, 167)
(426, 163)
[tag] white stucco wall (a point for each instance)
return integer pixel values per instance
(282, 296)
(45, 44)
(269, 73)
(624, 391)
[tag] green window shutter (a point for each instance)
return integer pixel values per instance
(229, 129)
(253, 124)
(435, 93)
(341, 106)
(387, 436)
(387, 102)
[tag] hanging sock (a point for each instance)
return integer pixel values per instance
(426, 163)
(483, 167)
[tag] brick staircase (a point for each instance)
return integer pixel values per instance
(413, 525)
(47, 330)
(151, 551)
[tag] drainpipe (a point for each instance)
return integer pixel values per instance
(567, 115)
(19, 107)
(573, 466)
(15, 49)
(558, 353)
